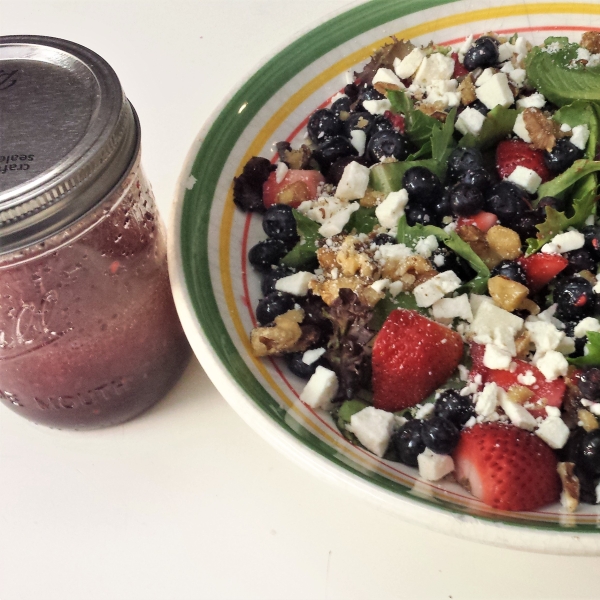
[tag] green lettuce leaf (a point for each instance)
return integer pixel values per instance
(581, 112)
(592, 348)
(418, 126)
(497, 125)
(306, 248)
(363, 220)
(387, 304)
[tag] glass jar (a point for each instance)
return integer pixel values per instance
(89, 335)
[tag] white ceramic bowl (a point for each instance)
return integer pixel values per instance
(215, 289)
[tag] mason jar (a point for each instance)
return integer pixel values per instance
(89, 335)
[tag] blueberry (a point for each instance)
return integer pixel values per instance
(525, 225)
(332, 150)
(440, 435)
(479, 106)
(579, 260)
(478, 178)
(555, 203)
(419, 214)
(408, 442)
(322, 125)
(341, 105)
(369, 93)
(442, 207)
(590, 452)
(562, 156)
(267, 253)
(336, 170)
(386, 144)
(462, 160)
(279, 223)
(362, 121)
(575, 298)
(591, 235)
(508, 202)
(383, 238)
(456, 408)
(351, 91)
(273, 305)
(589, 383)
(270, 278)
(381, 123)
(510, 270)
(423, 186)
(465, 200)
(298, 367)
(483, 53)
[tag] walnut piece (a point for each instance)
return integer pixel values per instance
(570, 484)
(408, 270)
(280, 338)
(507, 294)
(542, 130)
(523, 344)
(466, 89)
(505, 242)
(329, 290)
(588, 420)
(519, 394)
(372, 198)
(590, 40)
(479, 244)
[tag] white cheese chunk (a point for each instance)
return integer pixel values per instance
(564, 242)
(544, 335)
(527, 378)
(380, 285)
(489, 318)
(505, 51)
(487, 400)
(485, 76)
(435, 66)
(296, 284)
(387, 76)
(496, 358)
(320, 389)
(358, 138)
(337, 222)
(391, 209)
(554, 432)
(426, 246)
(453, 308)
(526, 178)
(434, 289)
(432, 466)
(312, 356)
(281, 172)
(470, 121)
(396, 287)
(585, 325)
(495, 92)
(552, 411)
(517, 414)
(580, 136)
(552, 365)
(520, 129)
(464, 48)
(517, 76)
(353, 183)
(373, 428)
(406, 67)
(377, 107)
(535, 100)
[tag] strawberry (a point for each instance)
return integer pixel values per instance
(482, 220)
(541, 268)
(459, 69)
(551, 391)
(506, 467)
(412, 356)
(296, 187)
(513, 153)
(396, 120)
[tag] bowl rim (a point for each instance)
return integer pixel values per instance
(524, 536)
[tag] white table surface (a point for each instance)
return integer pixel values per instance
(187, 502)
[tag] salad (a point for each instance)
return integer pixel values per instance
(430, 267)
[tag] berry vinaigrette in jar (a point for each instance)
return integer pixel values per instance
(89, 335)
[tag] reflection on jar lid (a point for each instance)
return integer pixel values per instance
(67, 136)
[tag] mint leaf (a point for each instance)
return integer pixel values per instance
(552, 71)
(592, 348)
(306, 248)
(497, 125)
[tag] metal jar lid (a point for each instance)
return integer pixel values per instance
(67, 136)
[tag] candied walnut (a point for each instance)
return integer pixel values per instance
(467, 89)
(571, 400)
(519, 394)
(435, 110)
(507, 294)
(523, 344)
(295, 159)
(294, 193)
(542, 130)
(329, 290)
(587, 419)
(372, 198)
(282, 337)
(407, 270)
(479, 244)
(383, 86)
(351, 257)
(504, 241)
(590, 40)
(569, 497)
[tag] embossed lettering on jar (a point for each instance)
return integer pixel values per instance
(89, 336)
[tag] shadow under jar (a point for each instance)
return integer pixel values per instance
(89, 335)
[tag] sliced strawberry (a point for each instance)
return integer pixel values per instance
(396, 120)
(412, 356)
(506, 467)
(513, 153)
(459, 69)
(296, 187)
(551, 391)
(482, 220)
(541, 268)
